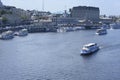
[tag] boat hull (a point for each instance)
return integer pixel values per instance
(101, 33)
(89, 52)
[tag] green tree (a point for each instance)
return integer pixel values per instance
(3, 12)
(24, 17)
(4, 20)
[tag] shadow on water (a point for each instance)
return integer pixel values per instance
(102, 35)
(6, 39)
(89, 56)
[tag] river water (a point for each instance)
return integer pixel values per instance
(56, 56)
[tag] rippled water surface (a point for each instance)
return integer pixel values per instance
(56, 56)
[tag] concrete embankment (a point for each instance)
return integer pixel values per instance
(31, 28)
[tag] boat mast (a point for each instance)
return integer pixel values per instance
(42, 5)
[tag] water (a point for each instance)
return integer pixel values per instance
(56, 56)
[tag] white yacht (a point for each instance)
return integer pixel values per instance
(69, 29)
(89, 48)
(7, 35)
(101, 31)
(79, 28)
(61, 29)
(23, 32)
(65, 29)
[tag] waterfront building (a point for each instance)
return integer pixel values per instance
(39, 14)
(85, 13)
(23, 13)
(106, 20)
(1, 4)
(65, 21)
(68, 20)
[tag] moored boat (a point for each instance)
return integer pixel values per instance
(62, 29)
(65, 29)
(115, 26)
(23, 32)
(79, 28)
(101, 31)
(7, 35)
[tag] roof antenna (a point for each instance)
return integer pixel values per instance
(42, 5)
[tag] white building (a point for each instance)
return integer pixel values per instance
(40, 15)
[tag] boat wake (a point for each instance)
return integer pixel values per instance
(110, 47)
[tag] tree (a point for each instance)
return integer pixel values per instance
(4, 20)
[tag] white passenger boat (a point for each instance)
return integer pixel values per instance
(23, 32)
(7, 35)
(101, 31)
(89, 48)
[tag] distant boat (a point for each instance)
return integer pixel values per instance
(79, 28)
(101, 31)
(62, 29)
(23, 32)
(89, 48)
(7, 35)
(115, 26)
(16, 33)
(65, 29)
(105, 26)
(69, 29)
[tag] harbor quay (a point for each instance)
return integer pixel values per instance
(47, 27)
(32, 28)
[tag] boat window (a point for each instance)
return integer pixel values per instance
(90, 46)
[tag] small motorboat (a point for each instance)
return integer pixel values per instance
(101, 31)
